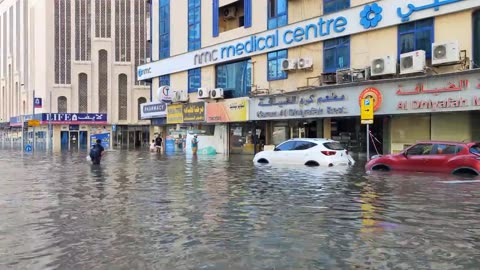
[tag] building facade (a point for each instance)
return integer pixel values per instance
(303, 66)
(77, 59)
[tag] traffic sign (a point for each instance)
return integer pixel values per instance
(366, 111)
(33, 123)
(28, 148)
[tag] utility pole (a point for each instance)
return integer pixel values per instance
(50, 129)
(33, 117)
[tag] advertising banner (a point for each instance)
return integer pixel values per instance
(105, 137)
(229, 110)
(175, 114)
(194, 112)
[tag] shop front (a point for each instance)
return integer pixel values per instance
(232, 114)
(156, 112)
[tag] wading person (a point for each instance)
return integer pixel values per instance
(96, 152)
(158, 143)
(194, 144)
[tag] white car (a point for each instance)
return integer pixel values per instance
(309, 152)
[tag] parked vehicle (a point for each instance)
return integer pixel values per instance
(432, 156)
(309, 152)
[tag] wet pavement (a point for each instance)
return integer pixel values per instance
(151, 211)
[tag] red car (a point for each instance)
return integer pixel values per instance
(432, 156)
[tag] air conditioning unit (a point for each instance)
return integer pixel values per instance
(148, 60)
(180, 96)
(289, 64)
(304, 63)
(445, 53)
(344, 76)
(383, 66)
(203, 93)
(412, 62)
(217, 93)
(329, 78)
(230, 13)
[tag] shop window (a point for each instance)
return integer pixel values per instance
(274, 65)
(203, 130)
(234, 78)
(139, 110)
(235, 15)
(336, 54)
(277, 13)
(476, 39)
(330, 6)
(164, 80)
(194, 80)
(416, 36)
(164, 36)
(194, 28)
(287, 146)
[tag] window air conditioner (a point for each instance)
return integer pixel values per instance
(180, 96)
(203, 93)
(383, 66)
(230, 13)
(445, 53)
(289, 64)
(304, 63)
(412, 62)
(217, 93)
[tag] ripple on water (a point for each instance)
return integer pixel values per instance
(140, 210)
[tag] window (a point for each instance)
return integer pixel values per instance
(142, 45)
(62, 104)
(336, 54)
(194, 29)
(82, 93)
(234, 78)
(420, 149)
(232, 16)
(274, 65)
(475, 150)
(62, 42)
(446, 149)
(334, 146)
(103, 18)
(164, 80)
(286, 146)
(139, 110)
(416, 36)
(301, 145)
(103, 81)
(122, 97)
(330, 6)
(476, 39)
(122, 31)
(164, 29)
(277, 13)
(82, 30)
(194, 80)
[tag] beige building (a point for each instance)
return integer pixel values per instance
(79, 57)
(305, 65)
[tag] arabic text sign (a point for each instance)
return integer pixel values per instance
(311, 104)
(74, 118)
(229, 110)
(194, 112)
(175, 114)
(352, 21)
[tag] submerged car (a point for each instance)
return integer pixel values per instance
(432, 156)
(309, 152)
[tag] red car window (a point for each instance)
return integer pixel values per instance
(446, 149)
(475, 149)
(420, 149)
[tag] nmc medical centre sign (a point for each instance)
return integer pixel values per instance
(380, 14)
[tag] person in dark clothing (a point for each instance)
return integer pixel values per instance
(96, 152)
(158, 143)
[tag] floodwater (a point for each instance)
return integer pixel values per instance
(140, 210)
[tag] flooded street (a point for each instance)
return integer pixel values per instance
(152, 211)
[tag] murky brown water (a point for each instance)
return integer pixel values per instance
(147, 211)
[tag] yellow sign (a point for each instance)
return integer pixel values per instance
(33, 123)
(366, 111)
(175, 114)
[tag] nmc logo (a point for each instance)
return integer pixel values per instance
(144, 71)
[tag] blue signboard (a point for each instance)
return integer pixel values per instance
(170, 145)
(75, 118)
(37, 103)
(105, 137)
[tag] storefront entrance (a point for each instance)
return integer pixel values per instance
(131, 137)
(73, 140)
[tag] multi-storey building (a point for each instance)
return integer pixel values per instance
(305, 65)
(77, 59)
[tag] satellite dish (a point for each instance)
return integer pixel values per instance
(440, 52)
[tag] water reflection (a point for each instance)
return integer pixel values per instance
(141, 210)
